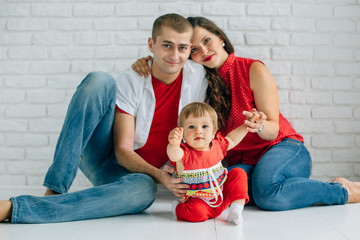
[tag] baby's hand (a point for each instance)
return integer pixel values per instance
(175, 136)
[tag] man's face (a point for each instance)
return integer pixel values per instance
(170, 52)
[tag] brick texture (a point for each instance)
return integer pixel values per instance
(46, 48)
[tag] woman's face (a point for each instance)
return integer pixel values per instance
(207, 48)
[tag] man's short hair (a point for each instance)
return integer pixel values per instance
(171, 20)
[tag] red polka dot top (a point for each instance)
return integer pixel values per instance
(235, 72)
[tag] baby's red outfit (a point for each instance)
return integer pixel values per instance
(196, 210)
(235, 187)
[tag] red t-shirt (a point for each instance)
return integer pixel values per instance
(167, 99)
(194, 159)
(235, 72)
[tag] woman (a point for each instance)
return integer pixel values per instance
(274, 155)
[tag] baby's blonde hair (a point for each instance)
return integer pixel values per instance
(198, 109)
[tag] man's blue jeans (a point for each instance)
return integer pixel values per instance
(86, 142)
(280, 180)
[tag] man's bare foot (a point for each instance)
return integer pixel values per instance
(5, 210)
(353, 189)
(50, 192)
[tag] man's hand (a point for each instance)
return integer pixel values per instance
(172, 184)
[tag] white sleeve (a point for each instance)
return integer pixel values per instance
(201, 84)
(128, 92)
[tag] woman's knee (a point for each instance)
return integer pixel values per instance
(270, 198)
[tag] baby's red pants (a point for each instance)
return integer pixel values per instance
(196, 210)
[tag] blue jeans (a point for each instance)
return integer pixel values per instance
(280, 180)
(86, 142)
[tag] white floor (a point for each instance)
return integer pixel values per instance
(320, 222)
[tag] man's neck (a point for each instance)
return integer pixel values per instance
(166, 78)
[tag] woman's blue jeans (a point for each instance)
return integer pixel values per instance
(280, 180)
(86, 142)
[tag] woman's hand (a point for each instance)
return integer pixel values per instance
(255, 120)
(141, 66)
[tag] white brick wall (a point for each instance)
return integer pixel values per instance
(312, 48)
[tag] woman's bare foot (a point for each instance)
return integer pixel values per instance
(50, 192)
(5, 210)
(353, 189)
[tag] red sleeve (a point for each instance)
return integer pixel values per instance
(172, 163)
(119, 110)
(224, 143)
(186, 153)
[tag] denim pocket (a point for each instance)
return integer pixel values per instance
(293, 141)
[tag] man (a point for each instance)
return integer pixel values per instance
(140, 113)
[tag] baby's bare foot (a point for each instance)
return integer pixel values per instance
(353, 189)
(50, 192)
(5, 210)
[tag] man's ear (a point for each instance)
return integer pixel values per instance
(151, 44)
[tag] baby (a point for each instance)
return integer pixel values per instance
(212, 189)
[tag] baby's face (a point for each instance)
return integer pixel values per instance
(199, 132)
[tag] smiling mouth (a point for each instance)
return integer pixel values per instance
(172, 63)
(208, 58)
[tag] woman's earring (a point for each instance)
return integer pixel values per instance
(223, 44)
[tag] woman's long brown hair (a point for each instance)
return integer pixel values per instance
(218, 94)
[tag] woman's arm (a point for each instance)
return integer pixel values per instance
(141, 66)
(266, 101)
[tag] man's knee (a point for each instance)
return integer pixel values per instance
(144, 190)
(95, 81)
(95, 88)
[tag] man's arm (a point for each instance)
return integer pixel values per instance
(124, 130)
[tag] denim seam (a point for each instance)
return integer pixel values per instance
(294, 156)
(346, 193)
(55, 188)
(14, 210)
(91, 175)
(109, 108)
